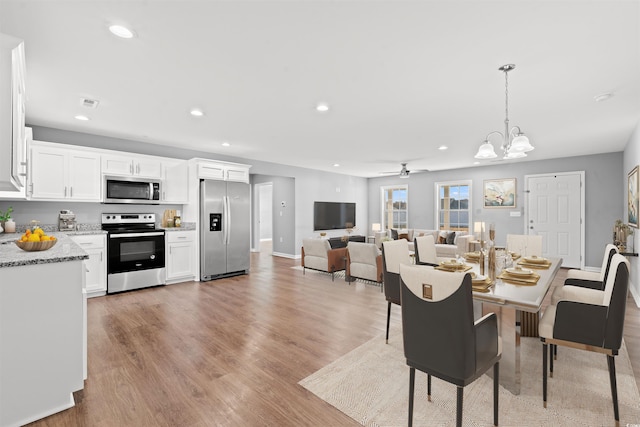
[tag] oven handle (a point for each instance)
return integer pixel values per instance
(122, 235)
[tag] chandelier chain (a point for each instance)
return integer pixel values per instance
(506, 96)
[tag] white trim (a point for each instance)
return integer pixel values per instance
(635, 295)
(436, 201)
(582, 207)
(283, 255)
(382, 199)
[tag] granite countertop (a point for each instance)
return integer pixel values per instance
(186, 226)
(63, 251)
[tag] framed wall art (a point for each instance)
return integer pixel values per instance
(632, 197)
(500, 193)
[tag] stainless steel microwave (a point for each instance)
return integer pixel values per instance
(124, 189)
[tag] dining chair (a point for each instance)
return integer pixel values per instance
(394, 253)
(589, 319)
(525, 244)
(425, 250)
(440, 336)
(587, 279)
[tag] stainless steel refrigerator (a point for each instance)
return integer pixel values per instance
(224, 229)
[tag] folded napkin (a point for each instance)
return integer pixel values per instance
(515, 279)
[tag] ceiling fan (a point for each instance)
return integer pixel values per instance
(404, 172)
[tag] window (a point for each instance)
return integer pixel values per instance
(395, 206)
(453, 205)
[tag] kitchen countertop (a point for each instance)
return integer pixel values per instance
(63, 251)
(186, 226)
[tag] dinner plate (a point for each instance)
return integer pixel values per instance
(479, 278)
(519, 271)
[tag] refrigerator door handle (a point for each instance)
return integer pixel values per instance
(228, 206)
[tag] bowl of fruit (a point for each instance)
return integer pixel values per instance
(35, 240)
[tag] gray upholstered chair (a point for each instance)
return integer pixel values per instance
(364, 261)
(525, 244)
(589, 319)
(318, 255)
(440, 335)
(394, 253)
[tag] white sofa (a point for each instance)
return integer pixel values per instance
(459, 246)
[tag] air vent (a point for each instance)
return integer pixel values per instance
(89, 103)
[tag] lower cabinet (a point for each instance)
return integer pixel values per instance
(96, 266)
(180, 253)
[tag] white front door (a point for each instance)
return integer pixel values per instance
(555, 208)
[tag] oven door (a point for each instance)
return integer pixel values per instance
(135, 251)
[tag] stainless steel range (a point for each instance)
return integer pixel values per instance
(135, 249)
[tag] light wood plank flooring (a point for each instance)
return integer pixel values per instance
(231, 352)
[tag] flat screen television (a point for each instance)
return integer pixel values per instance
(333, 215)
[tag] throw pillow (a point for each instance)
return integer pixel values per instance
(450, 237)
(394, 234)
(442, 240)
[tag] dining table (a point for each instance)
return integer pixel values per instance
(511, 299)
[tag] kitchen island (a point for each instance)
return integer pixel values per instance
(42, 329)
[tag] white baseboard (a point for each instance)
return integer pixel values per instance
(635, 295)
(283, 255)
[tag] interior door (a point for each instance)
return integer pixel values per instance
(555, 206)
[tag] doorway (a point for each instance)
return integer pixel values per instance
(265, 216)
(555, 208)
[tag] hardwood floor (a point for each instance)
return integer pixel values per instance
(231, 352)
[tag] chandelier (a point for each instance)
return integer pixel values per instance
(514, 144)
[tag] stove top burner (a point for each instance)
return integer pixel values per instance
(125, 222)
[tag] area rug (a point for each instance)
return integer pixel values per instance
(371, 385)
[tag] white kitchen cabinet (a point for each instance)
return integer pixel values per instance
(60, 173)
(96, 266)
(223, 171)
(12, 114)
(175, 183)
(132, 165)
(180, 255)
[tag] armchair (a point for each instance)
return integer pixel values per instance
(589, 319)
(318, 255)
(364, 261)
(440, 335)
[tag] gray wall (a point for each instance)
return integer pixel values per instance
(603, 194)
(283, 224)
(310, 185)
(631, 160)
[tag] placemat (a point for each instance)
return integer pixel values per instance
(519, 280)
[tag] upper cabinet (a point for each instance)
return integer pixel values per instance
(132, 165)
(175, 182)
(224, 171)
(60, 173)
(12, 114)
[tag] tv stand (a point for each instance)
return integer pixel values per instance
(341, 242)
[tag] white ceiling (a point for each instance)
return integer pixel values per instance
(401, 78)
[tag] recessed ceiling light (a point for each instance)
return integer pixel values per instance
(121, 31)
(322, 107)
(602, 97)
(197, 113)
(226, 144)
(443, 147)
(81, 117)
(336, 165)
